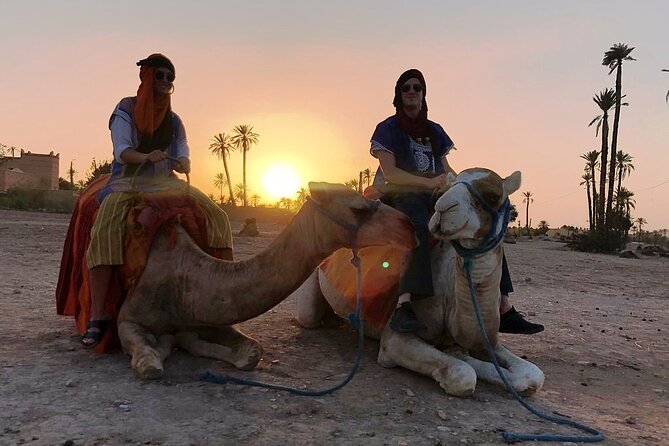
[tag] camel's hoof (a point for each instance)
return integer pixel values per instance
(148, 367)
(248, 356)
(529, 382)
(457, 380)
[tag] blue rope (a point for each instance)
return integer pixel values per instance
(510, 437)
(354, 319)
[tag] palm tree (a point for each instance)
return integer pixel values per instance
(604, 100)
(624, 166)
(243, 138)
(221, 147)
(302, 195)
(255, 199)
(353, 184)
(367, 176)
(542, 227)
(640, 221)
(239, 192)
(528, 199)
(220, 182)
(587, 179)
(613, 59)
(592, 162)
(625, 201)
(71, 173)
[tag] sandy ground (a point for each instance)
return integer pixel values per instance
(604, 352)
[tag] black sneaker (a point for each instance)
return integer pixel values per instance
(513, 322)
(404, 320)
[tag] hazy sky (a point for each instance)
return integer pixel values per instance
(511, 82)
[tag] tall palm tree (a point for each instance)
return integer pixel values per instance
(640, 221)
(587, 179)
(367, 176)
(255, 199)
(624, 166)
(528, 199)
(243, 138)
(219, 182)
(71, 173)
(221, 147)
(604, 100)
(625, 201)
(353, 184)
(613, 59)
(591, 164)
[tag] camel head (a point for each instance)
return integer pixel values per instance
(461, 215)
(345, 214)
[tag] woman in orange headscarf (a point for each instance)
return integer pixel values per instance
(149, 143)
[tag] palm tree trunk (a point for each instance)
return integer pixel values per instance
(602, 176)
(587, 190)
(619, 205)
(527, 217)
(594, 198)
(227, 176)
(244, 175)
(614, 143)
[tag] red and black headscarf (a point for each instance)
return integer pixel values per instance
(417, 127)
(150, 110)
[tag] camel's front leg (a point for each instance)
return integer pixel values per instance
(225, 343)
(148, 353)
(456, 377)
(525, 377)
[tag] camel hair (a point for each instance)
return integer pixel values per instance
(190, 299)
(451, 349)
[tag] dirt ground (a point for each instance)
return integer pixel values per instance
(604, 352)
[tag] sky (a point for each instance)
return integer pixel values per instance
(511, 82)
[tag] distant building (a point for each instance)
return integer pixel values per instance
(30, 170)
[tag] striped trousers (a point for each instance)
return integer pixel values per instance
(108, 232)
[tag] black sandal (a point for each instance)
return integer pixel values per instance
(95, 336)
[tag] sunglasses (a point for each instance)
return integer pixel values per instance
(160, 75)
(416, 87)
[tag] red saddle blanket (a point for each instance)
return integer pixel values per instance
(144, 220)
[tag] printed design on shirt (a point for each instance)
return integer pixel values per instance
(422, 154)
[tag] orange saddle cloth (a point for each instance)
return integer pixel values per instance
(153, 211)
(381, 266)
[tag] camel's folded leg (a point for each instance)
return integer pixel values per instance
(456, 377)
(148, 353)
(310, 305)
(525, 377)
(225, 343)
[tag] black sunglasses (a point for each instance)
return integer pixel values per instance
(160, 75)
(416, 87)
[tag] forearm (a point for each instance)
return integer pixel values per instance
(401, 177)
(132, 156)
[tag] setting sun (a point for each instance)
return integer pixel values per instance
(280, 180)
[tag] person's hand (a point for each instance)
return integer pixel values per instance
(439, 182)
(156, 156)
(183, 165)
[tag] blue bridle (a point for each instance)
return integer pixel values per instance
(494, 236)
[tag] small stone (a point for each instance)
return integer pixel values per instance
(124, 407)
(275, 361)
(630, 420)
(463, 413)
(443, 429)
(409, 392)
(442, 414)
(70, 383)
(528, 279)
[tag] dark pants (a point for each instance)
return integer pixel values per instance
(417, 280)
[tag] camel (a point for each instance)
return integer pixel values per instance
(192, 300)
(451, 350)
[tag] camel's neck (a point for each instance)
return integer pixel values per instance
(246, 289)
(486, 272)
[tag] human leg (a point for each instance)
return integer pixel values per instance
(416, 282)
(219, 232)
(104, 251)
(512, 321)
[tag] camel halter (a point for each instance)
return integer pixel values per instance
(493, 238)
(497, 230)
(354, 318)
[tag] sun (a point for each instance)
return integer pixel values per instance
(281, 180)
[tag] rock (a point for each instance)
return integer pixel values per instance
(70, 383)
(442, 414)
(409, 392)
(630, 420)
(250, 228)
(627, 254)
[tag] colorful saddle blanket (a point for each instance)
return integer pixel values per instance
(144, 220)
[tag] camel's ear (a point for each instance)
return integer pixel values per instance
(320, 192)
(512, 183)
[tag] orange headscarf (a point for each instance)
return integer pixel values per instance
(150, 110)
